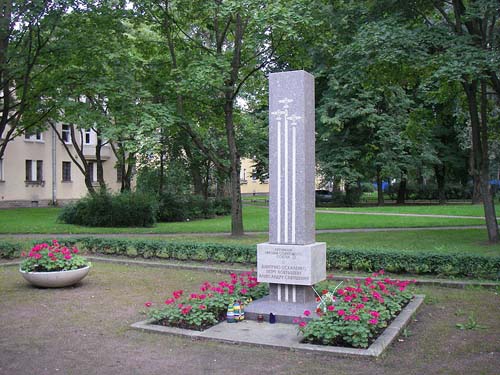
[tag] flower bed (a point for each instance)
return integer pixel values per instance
(354, 315)
(199, 311)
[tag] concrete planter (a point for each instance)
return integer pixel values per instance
(57, 279)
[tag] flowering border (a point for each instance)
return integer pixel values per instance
(235, 333)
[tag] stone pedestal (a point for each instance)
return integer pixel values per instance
(291, 264)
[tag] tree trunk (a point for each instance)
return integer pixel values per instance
(380, 190)
(221, 191)
(197, 179)
(480, 153)
(236, 204)
(100, 170)
(206, 179)
(402, 190)
(488, 202)
(127, 171)
(439, 170)
(162, 172)
(88, 179)
(234, 156)
(476, 184)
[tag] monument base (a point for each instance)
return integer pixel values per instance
(292, 293)
(284, 312)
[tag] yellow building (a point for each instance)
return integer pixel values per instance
(250, 184)
(37, 170)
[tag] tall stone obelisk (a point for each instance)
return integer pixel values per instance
(291, 262)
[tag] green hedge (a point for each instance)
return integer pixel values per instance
(418, 263)
(9, 250)
(458, 265)
(170, 250)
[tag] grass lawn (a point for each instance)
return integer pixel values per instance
(467, 241)
(43, 220)
(86, 330)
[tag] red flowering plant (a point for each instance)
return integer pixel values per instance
(50, 258)
(207, 307)
(357, 314)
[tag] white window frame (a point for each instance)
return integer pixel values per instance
(29, 175)
(37, 136)
(62, 174)
(93, 178)
(66, 133)
(87, 133)
(33, 171)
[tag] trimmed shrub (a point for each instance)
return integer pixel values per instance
(459, 265)
(103, 209)
(132, 209)
(451, 265)
(9, 250)
(68, 242)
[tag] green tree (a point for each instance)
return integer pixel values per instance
(217, 48)
(26, 29)
(463, 47)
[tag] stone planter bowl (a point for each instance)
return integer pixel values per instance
(57, 279)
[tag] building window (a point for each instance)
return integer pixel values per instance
(34, 170)
(119, 175)
(33, 136)
(66, 171)
(66, 134)
(1, 170)
(88, 137)
(243, 176)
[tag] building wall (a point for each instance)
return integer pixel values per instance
(15, 191)
(248, 183)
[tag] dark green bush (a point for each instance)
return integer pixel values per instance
(367, 187)
(430, 191)
(9, 250)
(222, 206)
(352, 196)
(458, 265)
(132, 209)
(179, 207)
(171, 207)
(129, 209)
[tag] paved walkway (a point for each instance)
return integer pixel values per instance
(335, 211)
(167, 235)
(398, 214)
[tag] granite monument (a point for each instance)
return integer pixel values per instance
(292, 261)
